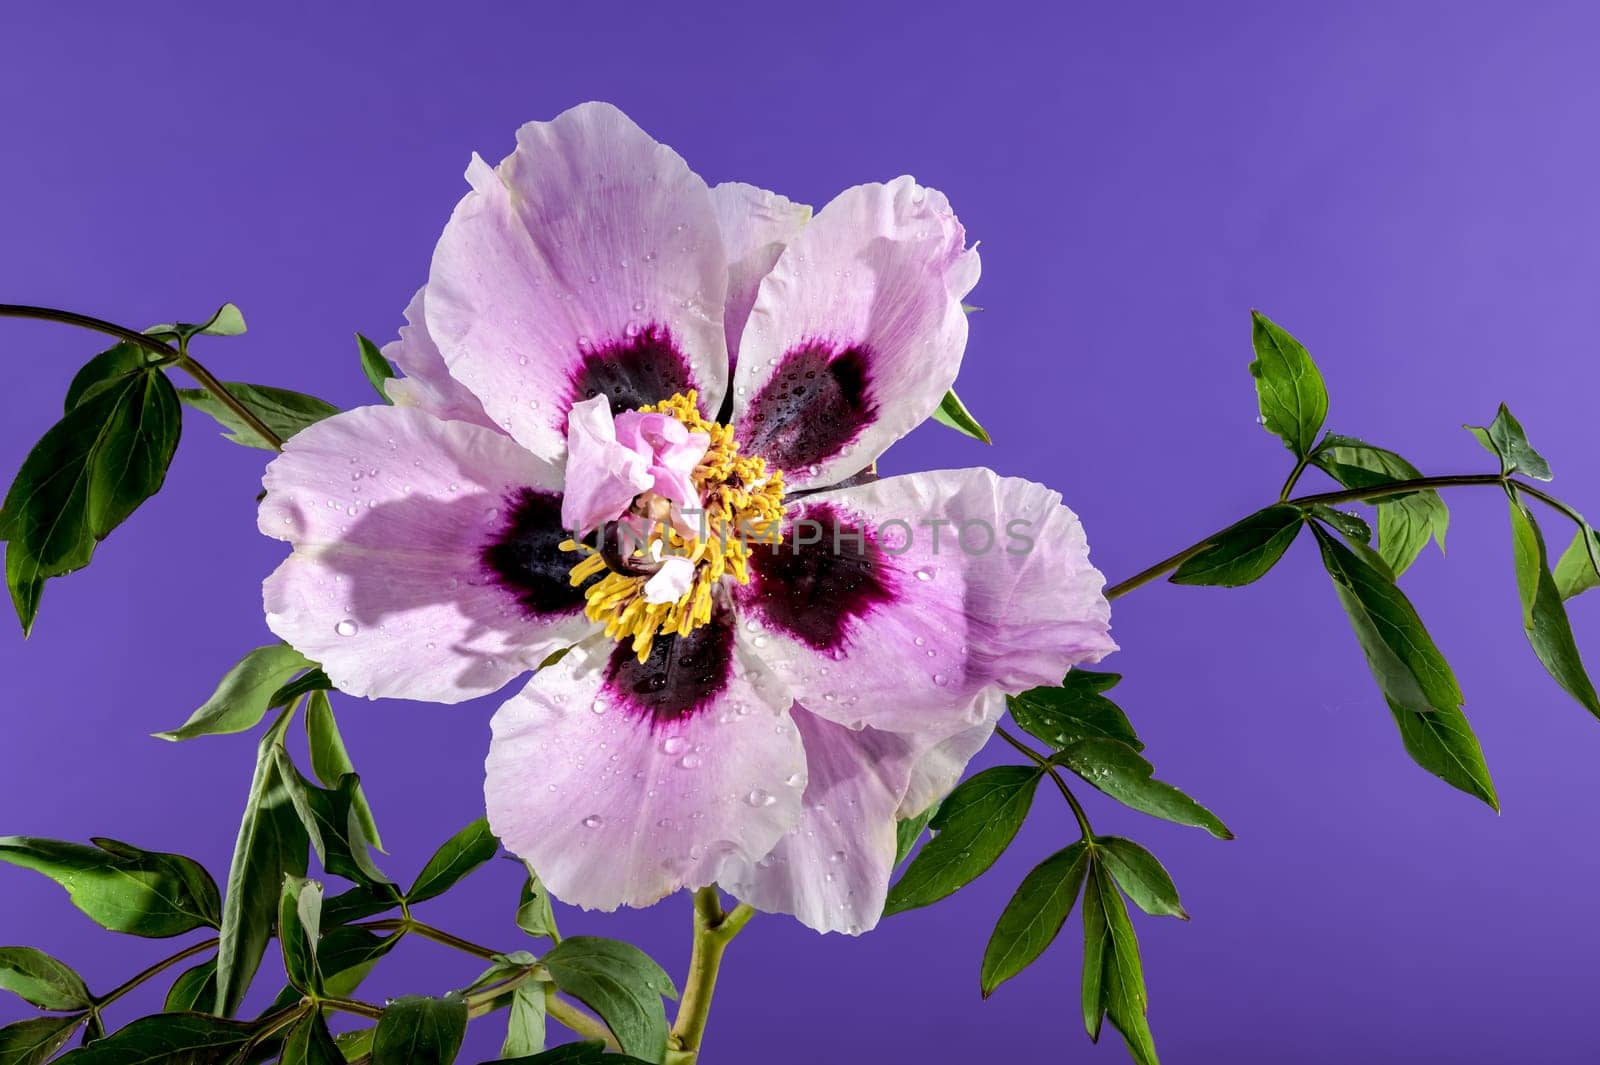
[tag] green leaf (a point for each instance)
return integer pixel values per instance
(123, 888)
(1113, 977)
(1579, 567)
(1353, 527)
(1406, 522)
(621, 983)
(1505, 439)
(228, 321)
(194, 991)
(908, 831)
(355, 1044)
(109, 367)
(1289, 388)
(310, 1043)
(377, 368)
(1075, 710)
(272, 844)
(525, 1024)
(359, 903)
(460, 855)
(590, 1053)
(1544, 618)
(32, 1042)
(1244, 551)
(953, 413)
(975, 824)
(1122, 773)
(25, 584)
(1401, 655)
(244, 694)
(415, 1030)
(347, 954)
(39, 979)
(299, 926)
(314, 681)
(534, 915)
(90, 471)
(1140, 876)
(1034, 916)
(1442, 742)
(168, 1039)
(330, 760)
(333, 824)
(282, 411)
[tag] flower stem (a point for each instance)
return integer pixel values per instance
(155, 970)
(1055, 774)
(168, 354)
(1345, 495)
(713, 931)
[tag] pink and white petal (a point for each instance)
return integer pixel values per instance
(588, 262)
(832, 872)
(856, 333)
(939, 767)
(756, 225)
(894, 603)
(422, 564)
(622, 782)
(427, 384)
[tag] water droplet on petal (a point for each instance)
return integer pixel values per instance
(673, 744)
(759, 798)
(689, 761)
(593, 821)
(924, 574)
(346, 628)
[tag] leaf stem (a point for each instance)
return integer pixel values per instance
(1055, 774)
(714, 929)
(167, 353)
(350, 1005)
(1343, 495)
(155, 970)
(1294, 477)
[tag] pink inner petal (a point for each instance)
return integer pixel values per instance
(603, 474)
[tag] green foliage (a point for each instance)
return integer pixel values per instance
(975, 824)
(525, 1021)
(282, 411)
(534, 915)
(1578, 570)
(1544, 618)
(592, 1053)
(1289, 388)
(1244, 551)
(246, 693)
(228, 321)
(194, 991)
(1401, 655)
(1407, 521)
(1122, 773)
(953, 413)
(299, 928)
(330, 760)
(310, 1043)
(621, 984)
(1076, 710)
(36, 1040)
(909, 830)
(460, 855)
(1113, 976)
(1442, 742)
(87, 474)
(1141, 877)
(168, 1039)
(377, 368)
(1505, 439)
(1034, 916)
(123, 888)
(416, 1030)
(272, 844)
(37, 978)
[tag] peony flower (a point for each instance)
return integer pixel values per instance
(639, 422)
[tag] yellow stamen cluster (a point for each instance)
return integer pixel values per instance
(742, 502)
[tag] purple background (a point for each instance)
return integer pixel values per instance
(1408, 187)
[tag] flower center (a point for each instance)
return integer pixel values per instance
(662, 564)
